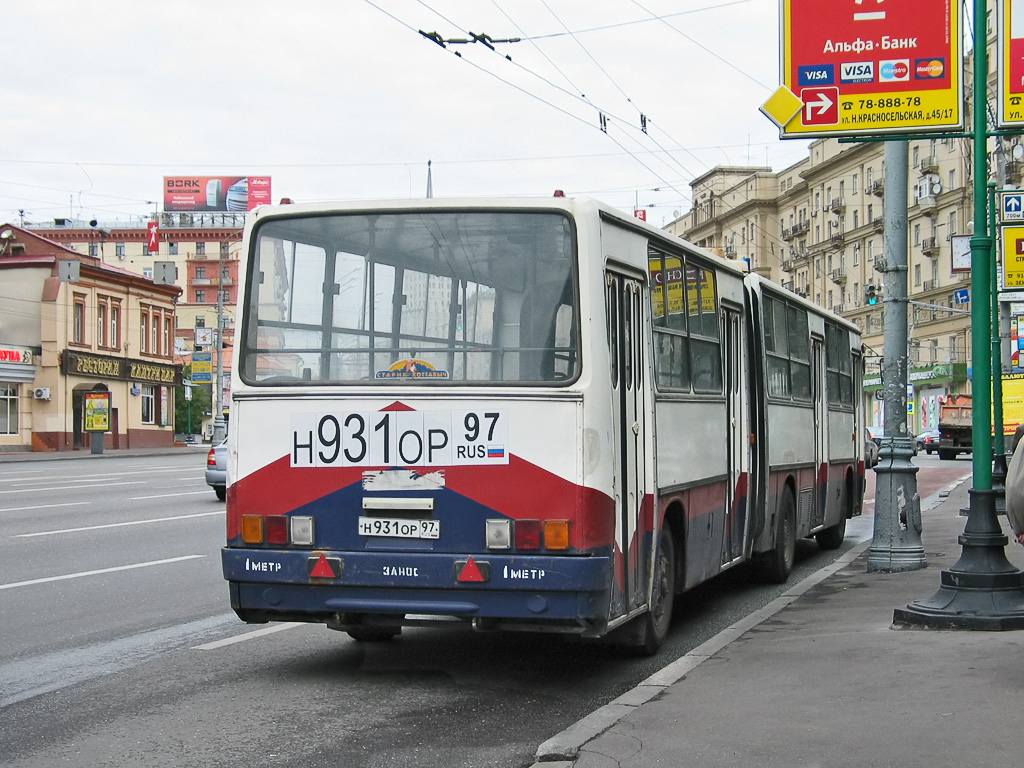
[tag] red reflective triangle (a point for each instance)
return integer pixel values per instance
(470, 572)
(322, 569)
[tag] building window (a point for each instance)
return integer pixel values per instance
(79, 320)
(222, 296)
(225, 248)
(8, 409)
(147, 272)
(172, 249)
(167, 337)
(154, 348)
(200, 249)
(115, 325)
(94, 249)
(101, 323)
(917, 274)
(148, 404)
(144, 333)
(119, 250)
(855, 184)
(200, 273)
(952, 224)
(200, 297)
(200, 321)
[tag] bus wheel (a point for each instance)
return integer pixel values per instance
(777, 563)
(658, 618)
(832, 538)
(374, 634)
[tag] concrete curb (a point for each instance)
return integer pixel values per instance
(562, 749)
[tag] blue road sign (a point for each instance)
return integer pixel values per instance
(1013, 207)
(961, 296)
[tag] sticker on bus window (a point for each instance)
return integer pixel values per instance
(411, 369)
(399, 438)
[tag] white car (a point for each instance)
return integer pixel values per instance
(216, 469)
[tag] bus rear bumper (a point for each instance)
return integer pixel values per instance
(276, 585)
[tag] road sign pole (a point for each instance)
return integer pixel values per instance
(983, 590)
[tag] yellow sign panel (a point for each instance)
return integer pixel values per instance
(872, 67)
(1013, 257)
(700, 286)
(1011, 59)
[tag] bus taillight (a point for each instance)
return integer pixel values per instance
(527, 534)
(277, 529)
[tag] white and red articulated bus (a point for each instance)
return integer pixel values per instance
(519, 414)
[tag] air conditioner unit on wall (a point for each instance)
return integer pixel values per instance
(41, 393)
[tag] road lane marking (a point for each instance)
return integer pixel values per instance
(114, 525)
(247, 636)
(45, 506)
(168, 495)
(67, 488)
(98, 572)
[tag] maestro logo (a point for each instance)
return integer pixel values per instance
(929, 69)
(895, 71)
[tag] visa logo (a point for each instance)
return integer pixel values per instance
(817, 74)
(857, 72)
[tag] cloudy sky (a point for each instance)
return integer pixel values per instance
(346, 99)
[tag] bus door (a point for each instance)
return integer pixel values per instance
(625, 308)
(738, 436)
(820, 431)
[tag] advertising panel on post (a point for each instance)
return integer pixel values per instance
(868, 67)
(1011, 64)
(97, 411)
(215, 193)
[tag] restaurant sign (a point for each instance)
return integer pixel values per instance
(81, 364)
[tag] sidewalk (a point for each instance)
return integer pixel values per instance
(820, 678)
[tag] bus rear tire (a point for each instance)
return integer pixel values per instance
(777, 563)
(659, 617)
(832, 538)
(374, 634)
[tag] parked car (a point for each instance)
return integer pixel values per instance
(217, 469)
(928, 441)
(871, 450)
(875, 434)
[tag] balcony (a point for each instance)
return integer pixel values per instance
(839, 275)
(928, 204)
(788, 233)
(803, 290)
(928, 164)
(929, 285)
(788, 265)
(930, 246)
(876, 188)
(837, 205)
(838, 309)
(801, 226)
(838, 238)
(878, 223)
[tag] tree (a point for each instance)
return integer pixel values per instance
(200, 405)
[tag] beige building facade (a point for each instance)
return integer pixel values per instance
(69, 326)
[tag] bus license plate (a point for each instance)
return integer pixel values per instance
(399, 528)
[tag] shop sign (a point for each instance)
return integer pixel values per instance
(81, 364)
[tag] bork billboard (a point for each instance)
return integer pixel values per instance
(215, 193)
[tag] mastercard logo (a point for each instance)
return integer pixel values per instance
(929, 69)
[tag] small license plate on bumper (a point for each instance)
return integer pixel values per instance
(399, 528)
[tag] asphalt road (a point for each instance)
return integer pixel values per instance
(118, 648)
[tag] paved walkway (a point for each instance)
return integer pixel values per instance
(821, 678)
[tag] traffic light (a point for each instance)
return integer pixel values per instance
(870, 294)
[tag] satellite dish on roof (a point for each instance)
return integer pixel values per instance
(1017, 152)
(936, 188)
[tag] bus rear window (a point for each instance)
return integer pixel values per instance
(425, 296)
